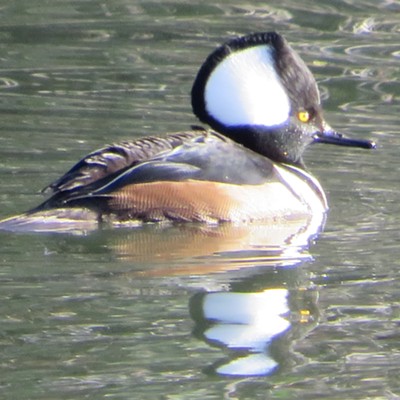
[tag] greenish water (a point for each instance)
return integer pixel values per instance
(122, 314)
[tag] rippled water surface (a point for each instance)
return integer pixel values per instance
(189, 312)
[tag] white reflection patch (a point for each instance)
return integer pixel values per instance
(245, 89)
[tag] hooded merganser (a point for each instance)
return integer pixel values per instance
(263, 105)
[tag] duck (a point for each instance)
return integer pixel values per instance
(261, 107)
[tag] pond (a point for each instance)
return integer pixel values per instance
(187, 311)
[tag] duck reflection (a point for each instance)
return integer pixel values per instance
(254, 310)
(263, 304)
(185, 249)
(243, 322)
(177, 249)
(247, 324)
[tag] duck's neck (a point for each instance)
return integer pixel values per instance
(275, 145)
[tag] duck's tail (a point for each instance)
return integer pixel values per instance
(59, 220)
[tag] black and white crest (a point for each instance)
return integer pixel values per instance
(255, 80)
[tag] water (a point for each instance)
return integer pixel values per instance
(123, 314)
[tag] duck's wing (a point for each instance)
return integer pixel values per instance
(105, 164)
(211, 158)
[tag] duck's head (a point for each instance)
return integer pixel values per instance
(258, 91)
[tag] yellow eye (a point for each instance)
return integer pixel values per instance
(303, 116)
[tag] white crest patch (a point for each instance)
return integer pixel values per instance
(245, 89)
